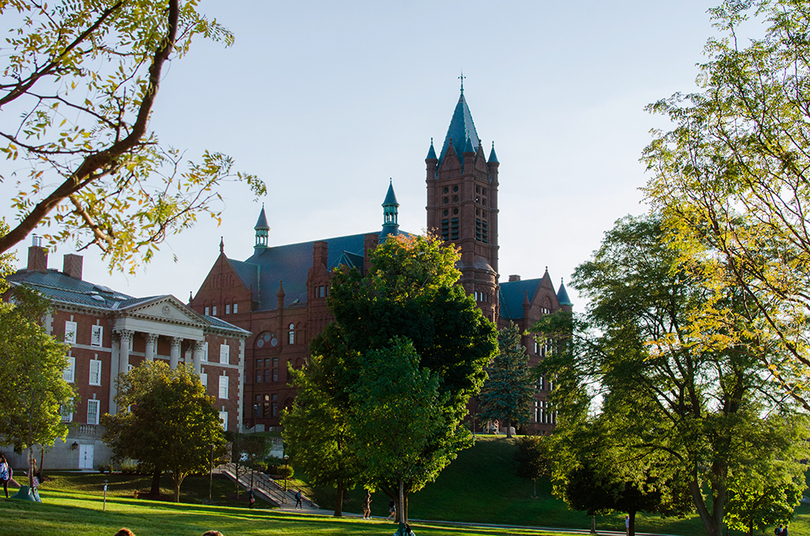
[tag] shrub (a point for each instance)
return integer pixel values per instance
(104, 467)
(129, 467)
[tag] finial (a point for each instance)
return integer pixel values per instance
(390, 181)
(221, 245)
(462, 77)
(431, 140)
(493, 145)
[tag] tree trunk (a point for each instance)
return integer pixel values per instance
(534, 488)
(508, 428)
(155, 491)
(339, 499)
(177, 479)
(593, 524)
(401, 513)
(632, 530)
(709, 518)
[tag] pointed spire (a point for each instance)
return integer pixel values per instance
(461, 128)
(493, 158)
(468, 148)
(221, 244)
(390, 213)
(562, 295)
(262, 230)
(431, 152)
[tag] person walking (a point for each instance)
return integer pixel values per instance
(5, 473)
(367, 505)
(392, 510)
(627, 525)
(298, 502)
(251, 497)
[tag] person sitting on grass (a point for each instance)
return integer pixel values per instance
(124, 532)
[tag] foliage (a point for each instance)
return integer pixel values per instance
(169, 422)
(670, 396)
(35, 391)
(508, 392)
(731, 181)
(409, 294)
(533, 460)
(82, 77)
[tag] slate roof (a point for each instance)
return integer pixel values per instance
(461, 130)
(290, 264)
(60, 288)
(390, 197)
(562, 295)
(512, 295)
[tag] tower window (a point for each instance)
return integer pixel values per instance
(446, 200)
(455, 211)
(445, 229)
(445, 190)
(444, 212)
(455, 188)
(454, 229)
(455, 199)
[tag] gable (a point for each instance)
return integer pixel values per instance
(167, 309)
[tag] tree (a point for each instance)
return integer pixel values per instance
(316, 429)
(408, 294)
(395, 405)
(169, 422)
(508, 393)
(696, 402)
(83, 77)
(533, 460)
(731, 179)
(35, 392)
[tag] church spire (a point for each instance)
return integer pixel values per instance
(461, 129)
(262, 230)
(390, 212)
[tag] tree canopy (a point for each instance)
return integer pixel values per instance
(731, 180)
(166, 421)
(407, 304)
(77, 92)
(508, 392)
(673, 397)
(35, 391)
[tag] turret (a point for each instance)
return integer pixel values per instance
(262, 231)
(390, 213)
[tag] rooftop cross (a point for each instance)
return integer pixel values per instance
(462, 77)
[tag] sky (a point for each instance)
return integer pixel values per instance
(326, 101)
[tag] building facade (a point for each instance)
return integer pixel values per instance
(110, 332)
(279, 293)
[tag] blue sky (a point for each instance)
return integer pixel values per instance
(326, 101)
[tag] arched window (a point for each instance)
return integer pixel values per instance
(292, 333)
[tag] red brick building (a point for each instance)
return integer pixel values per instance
(279, 293)
(110, 332)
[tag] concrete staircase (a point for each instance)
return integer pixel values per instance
(265, 487)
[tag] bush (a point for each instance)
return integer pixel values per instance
(129, 467)
(104, 467)
(285, 471)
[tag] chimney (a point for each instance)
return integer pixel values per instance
(320, 252)
(72, 266)
(37, 255)
(514, 277)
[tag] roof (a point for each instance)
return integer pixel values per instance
(562, 295)
(290, 264)
(461, 130)
(261, 223)
(512, 295)
(390, 197)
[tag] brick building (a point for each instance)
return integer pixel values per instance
(279, 293)
(110, 332)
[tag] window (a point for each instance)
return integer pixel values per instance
(259, 376)
(214, 310)
(223, 387)
(274, 406)
(204, 380)
(207, 310)
(224, 354)
(67, 411)
(235, 308)
(70, 332)
(92, 411)
(204, 356)
(292, 334)
(70, 370)
(227, 308)
(95, 372)
(97, 335)
(536, 411)
(258, 363)
(223, 416)
(275, 374)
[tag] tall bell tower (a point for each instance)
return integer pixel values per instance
(462, 205)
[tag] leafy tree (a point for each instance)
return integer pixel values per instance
(77, 91)
(533, 460)
(35, 392)
(316, 429)
(731, 180)
(698, 403)
(508, 393)
(170, 423)
(408, 294)
(395, 404)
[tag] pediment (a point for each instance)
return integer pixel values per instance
(165, 309)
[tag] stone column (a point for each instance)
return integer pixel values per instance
(123, 350)
(151, 346)
(174, 357)
(199, 346)
(113, 372)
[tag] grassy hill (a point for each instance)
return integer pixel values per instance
(481, 486)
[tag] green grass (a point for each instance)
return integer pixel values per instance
(479, 487)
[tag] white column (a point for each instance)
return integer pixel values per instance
(123, 350)
(151, 346)
(113, 373)
(197, 357)
(174, 357)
